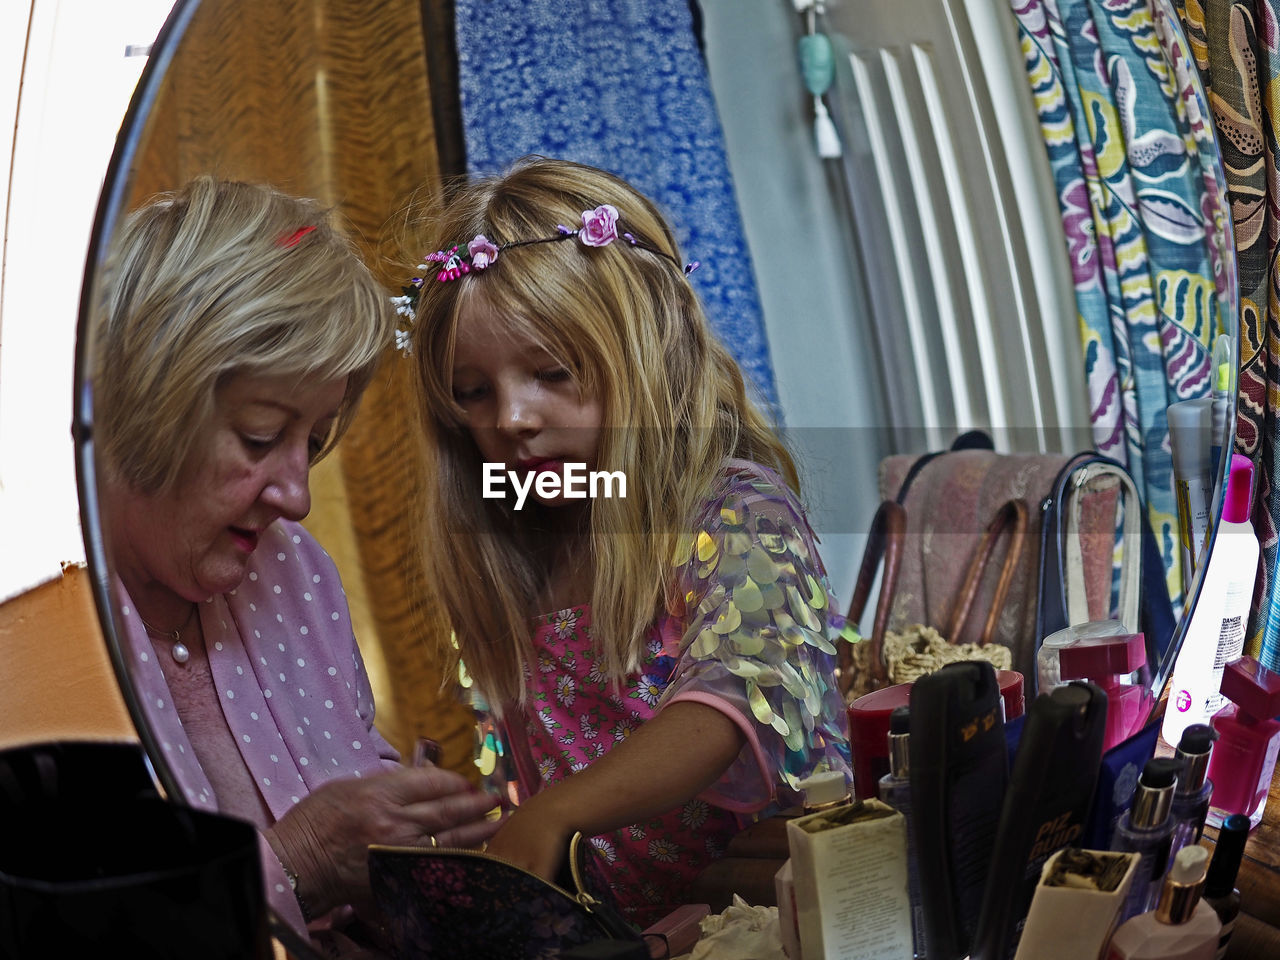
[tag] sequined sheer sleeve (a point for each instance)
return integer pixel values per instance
(758, 638)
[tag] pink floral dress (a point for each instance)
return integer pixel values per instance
(755, 641)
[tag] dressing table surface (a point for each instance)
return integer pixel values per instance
(1257, 932)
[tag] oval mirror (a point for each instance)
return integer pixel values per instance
(281, 93)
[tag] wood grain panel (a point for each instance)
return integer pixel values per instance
(1259, 878)
(330, 99)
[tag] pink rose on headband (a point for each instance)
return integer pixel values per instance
(599, 226)
(483, 252)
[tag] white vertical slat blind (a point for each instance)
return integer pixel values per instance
(953, 198)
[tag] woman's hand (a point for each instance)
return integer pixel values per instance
(324, 839)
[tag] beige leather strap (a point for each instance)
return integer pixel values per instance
(1010, 519)
(885, 540)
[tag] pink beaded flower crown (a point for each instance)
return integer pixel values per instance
(599, 229)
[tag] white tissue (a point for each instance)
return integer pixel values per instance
(742, 932)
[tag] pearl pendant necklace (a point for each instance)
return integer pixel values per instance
(179, 649)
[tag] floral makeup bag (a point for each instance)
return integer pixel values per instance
(442, 902)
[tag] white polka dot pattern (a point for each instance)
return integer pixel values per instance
(295, 626)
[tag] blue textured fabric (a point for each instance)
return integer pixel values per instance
(620, 85)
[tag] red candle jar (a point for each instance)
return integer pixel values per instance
(869, 727)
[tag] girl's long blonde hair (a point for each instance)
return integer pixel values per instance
(675, 407)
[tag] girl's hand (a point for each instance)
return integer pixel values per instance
(639, 778)
(325, 838)
(533, 840)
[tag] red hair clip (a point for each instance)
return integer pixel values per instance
(294, 238)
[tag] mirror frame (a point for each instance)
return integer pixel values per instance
(115, 188)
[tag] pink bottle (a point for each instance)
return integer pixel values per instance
(1105, 660)
(1244, 757)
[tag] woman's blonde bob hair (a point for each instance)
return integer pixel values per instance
(629, 325)
(212, 281)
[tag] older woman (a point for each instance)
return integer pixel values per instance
(238, 333)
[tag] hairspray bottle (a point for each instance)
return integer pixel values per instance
(1045, 809)
(1147, 829)
(959, 766)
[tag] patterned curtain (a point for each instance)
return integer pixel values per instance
(622, 86)
(1143, 206)
(1237, 48)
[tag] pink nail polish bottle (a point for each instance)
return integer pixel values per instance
(1244, 758)
(1105, 660)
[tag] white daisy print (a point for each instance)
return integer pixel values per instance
(605, 848)
(694, 814)
(648, 689)
(564, 623)
(566, 693)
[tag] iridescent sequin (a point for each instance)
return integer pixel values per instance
(758, 606)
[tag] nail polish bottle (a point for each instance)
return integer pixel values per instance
(895, 790)
(1182, 927)
(1244, 758)
(1105, 661)
(1146, 829)
(1191, 797)
(1219, 885)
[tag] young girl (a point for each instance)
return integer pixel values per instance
(660, 654)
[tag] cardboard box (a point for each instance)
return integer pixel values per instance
(849, 870)
(1073, 923)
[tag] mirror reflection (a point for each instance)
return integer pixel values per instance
(239, 334)
(208, 434)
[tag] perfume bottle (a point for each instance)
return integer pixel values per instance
(1182, 927)
(1191, 798)
(825, 791)
(1219, 885)
(1245, 757)
(895, 790)
(1107, 661)
(1147, 829)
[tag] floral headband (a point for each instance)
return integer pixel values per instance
(599, 229)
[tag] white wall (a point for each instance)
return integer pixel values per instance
(65, 82)
(806, 268)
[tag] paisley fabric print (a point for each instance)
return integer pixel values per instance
(1125, 123)
(1236, 46)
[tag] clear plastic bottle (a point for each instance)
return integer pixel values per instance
(895, 790)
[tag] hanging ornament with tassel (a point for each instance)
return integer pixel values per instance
(818, 67)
